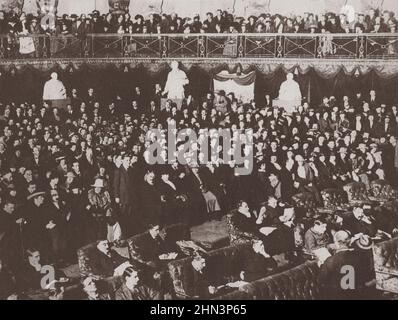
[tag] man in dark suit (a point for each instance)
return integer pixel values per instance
(107, 260)
(75, 99)
(332, 271)
(373, 99)
(90, 98)
(153, 248)
(324, 106)
(9, 235)
(357, 101)
(36, 161)
(138, 96)
(126, 196)
(150, 199)
(387, 127)
(204, 119)
(37, 224)
(210, 23)
(220, 20)
(360, 222)
(277, 188)
(56, 212)
(204, 285)
(324, 173)
(171, 197)
(151, 24)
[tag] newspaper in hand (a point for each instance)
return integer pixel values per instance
(321, 254)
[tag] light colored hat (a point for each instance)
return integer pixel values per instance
(364, 242)
(99, 183)
(35, 195)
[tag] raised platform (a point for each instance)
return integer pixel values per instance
(212, 234)
(264, 65)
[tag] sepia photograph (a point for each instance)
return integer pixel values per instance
(213, 151)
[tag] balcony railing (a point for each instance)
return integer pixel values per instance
(158, 46)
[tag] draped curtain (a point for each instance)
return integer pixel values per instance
(110, 80)
(242, 85)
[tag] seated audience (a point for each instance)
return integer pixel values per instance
(256, 267)
(135, 288)
(316, 237)
(91, 290)
(107, 260)
(204, 286)
(29, 276)
(155, 251)
(244, 220)
(8, 287)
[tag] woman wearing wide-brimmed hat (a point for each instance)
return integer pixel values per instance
(99, 200)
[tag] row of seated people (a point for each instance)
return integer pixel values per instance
(283, 230)
(156, 268)
(313, 237)
(159, 269)
(346, 275)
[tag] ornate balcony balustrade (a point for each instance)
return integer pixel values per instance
(239, 46)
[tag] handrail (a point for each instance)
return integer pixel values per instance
(202, 45)
(346, 35)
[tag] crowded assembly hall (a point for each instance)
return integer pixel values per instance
(226, 150)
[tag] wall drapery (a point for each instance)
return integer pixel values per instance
(241, 84)
(316, 78)
(240, 79)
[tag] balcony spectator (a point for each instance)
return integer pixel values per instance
(98, 23)
(151, 24)
(197, 24)
(210, 23)
(164, 24)
(109, 25)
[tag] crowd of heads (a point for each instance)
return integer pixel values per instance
(71, 158)
(221, 21)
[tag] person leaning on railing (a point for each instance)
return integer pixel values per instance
(222, 22)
